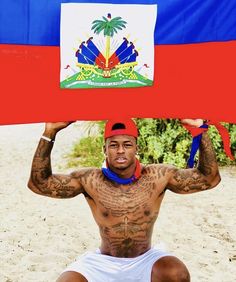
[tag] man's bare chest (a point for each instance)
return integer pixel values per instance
(123, 199)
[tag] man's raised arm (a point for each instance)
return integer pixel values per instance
(42, 181)
(205, 176)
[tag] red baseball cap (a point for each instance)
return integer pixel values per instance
(120, 127)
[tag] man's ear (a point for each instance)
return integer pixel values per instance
(137, 149)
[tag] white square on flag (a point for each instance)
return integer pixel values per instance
(107, 45)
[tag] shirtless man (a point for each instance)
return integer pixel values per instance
(125, 199)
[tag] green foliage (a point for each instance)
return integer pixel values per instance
(88, 151)
(163, 141)
(160, 141)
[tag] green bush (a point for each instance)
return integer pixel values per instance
(160, 141)
(88, 151)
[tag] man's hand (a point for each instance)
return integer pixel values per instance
(192, 122)
(51, 128)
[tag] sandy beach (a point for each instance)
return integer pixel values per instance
(40, 236)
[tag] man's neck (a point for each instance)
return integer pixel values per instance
(124, 173)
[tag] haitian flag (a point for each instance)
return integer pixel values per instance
(194, 74)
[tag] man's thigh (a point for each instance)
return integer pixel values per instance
(170, 269)
(71, 276)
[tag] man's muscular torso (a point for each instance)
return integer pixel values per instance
(125, 214)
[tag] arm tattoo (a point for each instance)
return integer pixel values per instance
(43, 182)
(207, 158)
(189, 181)
(204, 177)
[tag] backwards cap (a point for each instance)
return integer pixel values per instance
(120, 127)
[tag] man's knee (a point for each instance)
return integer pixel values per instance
(170, 269)
(71, 276)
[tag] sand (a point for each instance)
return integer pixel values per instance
(40, 236)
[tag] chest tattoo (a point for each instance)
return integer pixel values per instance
(120, 201)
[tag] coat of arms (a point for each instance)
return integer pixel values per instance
(106, 59)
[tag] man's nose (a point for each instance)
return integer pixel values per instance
(120, 149)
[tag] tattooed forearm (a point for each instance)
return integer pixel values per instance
(44, 149)
(207, 158)
(204, 177)
(41, 166)
(43, 182)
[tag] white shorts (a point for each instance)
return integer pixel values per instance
(96, 267)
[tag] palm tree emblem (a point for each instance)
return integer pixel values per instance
(120, 62)
(109, 27)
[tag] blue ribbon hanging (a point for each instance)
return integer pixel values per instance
(195, 146)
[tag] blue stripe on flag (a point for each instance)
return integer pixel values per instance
(178, 21)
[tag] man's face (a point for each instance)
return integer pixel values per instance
(120, 151)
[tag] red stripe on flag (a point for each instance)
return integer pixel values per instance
(192, 80)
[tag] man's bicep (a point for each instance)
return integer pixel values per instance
(59, 186)
(185, 181)
(65, 186)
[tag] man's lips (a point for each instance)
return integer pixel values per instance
(120, 160)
